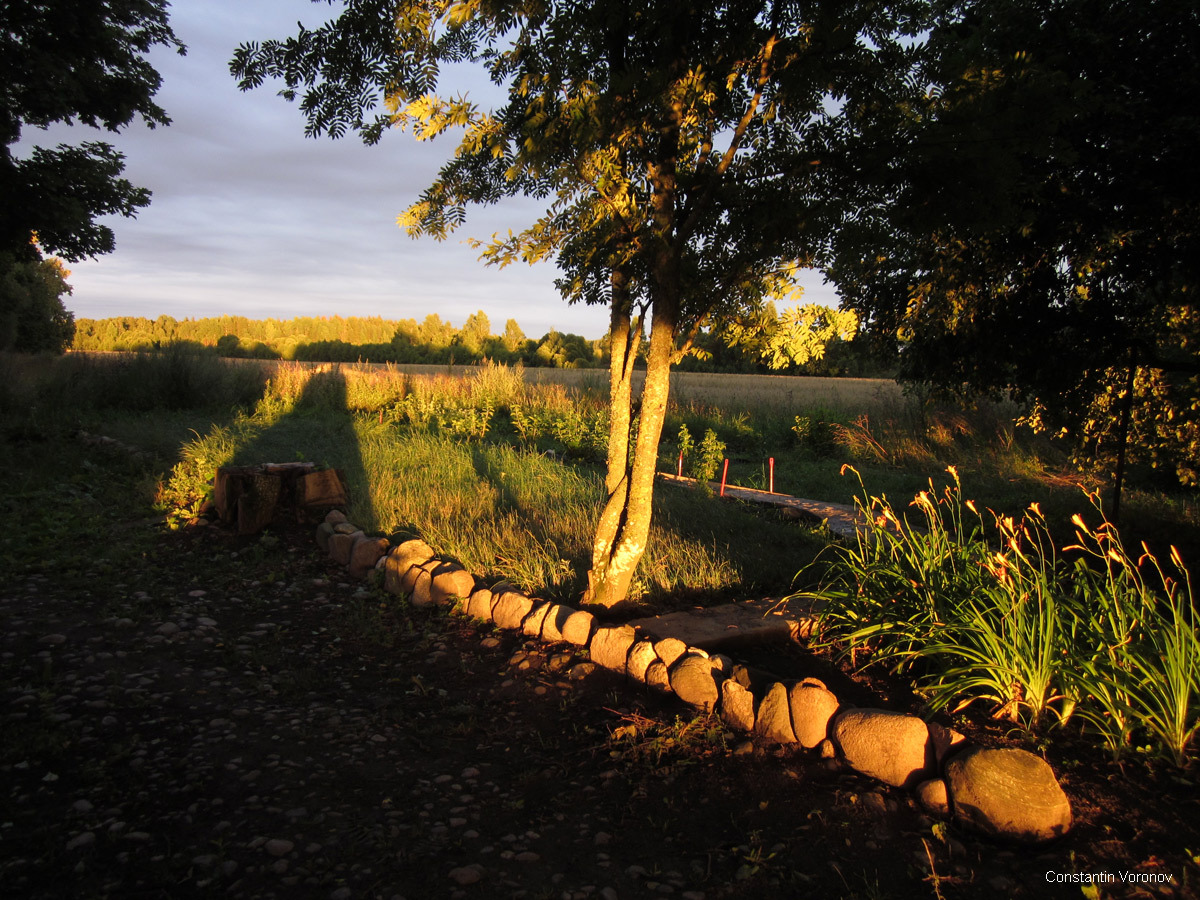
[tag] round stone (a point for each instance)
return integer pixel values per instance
(774, 720)
(511, 609)
(578, 628)
(692, 680)
(889, 746)
(609, 647)
(1008, 792)
(934, 797)
(737, 706)
(641, 655)
(812, 706)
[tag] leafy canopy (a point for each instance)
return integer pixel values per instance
(1039, 235)
(63, 61)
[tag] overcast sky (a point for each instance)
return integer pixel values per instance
(251, 218)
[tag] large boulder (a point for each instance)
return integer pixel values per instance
(1008, 793)
(889, 746)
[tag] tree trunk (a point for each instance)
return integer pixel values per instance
(625, 338)
(626, 516)
(1123, 439)
(629, 508)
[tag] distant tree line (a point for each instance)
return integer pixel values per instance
(433, 341)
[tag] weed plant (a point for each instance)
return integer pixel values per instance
(989, 611)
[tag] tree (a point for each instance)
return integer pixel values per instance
(1039, 236)
(797, 337)
(674, 147)
(513, 339)
(474, 334)
(32, 316)
(62, 61)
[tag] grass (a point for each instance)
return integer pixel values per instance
(490, 495)
(500, 471)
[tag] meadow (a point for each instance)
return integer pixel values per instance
(990, 576)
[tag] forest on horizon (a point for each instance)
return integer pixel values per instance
(433, 341)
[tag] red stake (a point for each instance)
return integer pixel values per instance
(771, 462)
(680, 463)
(724, 477)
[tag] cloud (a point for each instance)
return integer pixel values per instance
(249, 217)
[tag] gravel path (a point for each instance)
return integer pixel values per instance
(195, 729)
(230, 718)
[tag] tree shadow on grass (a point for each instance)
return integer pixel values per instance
(319, 428)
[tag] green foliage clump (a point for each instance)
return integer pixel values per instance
(32, 316)
(814, 432)
(996, 614)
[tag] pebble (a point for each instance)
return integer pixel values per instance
(82, 840)
(465, 875)
(278, 847)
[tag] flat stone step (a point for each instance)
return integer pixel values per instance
(840, 519)
(733, 624)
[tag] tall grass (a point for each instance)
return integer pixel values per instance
(992, 612)
(490, 497)
(174, 379)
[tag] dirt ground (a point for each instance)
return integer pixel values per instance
(225, 716)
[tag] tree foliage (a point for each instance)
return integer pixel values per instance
(32, 316)
(1039, 235)
(62, 61)
(674, 147)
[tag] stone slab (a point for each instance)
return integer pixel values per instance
(732, 624)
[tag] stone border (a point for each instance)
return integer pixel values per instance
(1005, 793)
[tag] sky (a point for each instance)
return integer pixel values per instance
(249, 217)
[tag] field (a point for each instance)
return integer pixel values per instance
(499, 470)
